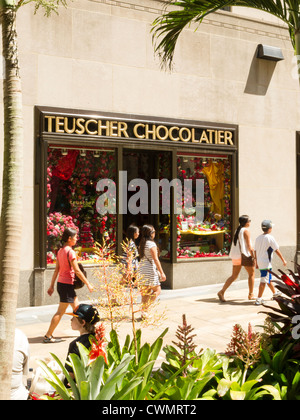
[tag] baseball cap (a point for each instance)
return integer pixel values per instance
(86, 312)
(267, 224)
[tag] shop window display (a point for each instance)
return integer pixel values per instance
(72, 176)
(148, 166)
(210, 237)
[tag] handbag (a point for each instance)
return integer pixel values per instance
(78, 283)
(246, 261)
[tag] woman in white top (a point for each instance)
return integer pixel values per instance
(241, 244)
(149, 268)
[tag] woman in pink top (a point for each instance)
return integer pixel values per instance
(66, 268)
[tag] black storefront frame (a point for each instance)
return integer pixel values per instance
(298, 194)
(44, 138)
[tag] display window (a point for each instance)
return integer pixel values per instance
(150, 161)
(210, 234)
(72, 176)
(148, 166)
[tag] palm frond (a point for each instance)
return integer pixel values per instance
(167, 27)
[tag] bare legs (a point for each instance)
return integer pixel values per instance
(236, 269)
(58, 315)
(148, 297)
(251, 279)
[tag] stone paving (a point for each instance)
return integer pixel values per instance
(212, 320)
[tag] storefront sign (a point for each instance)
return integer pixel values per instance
(138, 130)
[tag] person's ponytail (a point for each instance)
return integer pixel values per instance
(243, 220)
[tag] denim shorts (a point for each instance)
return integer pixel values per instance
(66, 292)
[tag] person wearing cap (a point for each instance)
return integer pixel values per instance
(265, 246)
(84, 319)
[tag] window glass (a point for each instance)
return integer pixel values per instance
(206, 233)
(72, 177)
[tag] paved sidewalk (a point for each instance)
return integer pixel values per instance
(212, 320)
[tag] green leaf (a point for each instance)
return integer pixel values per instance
(78, 368)
(55, 382)
(85, 390)
(237, 395)
(95, 376)
(273, 391)
(248, 385)
(115, 341)
(259, 372)
(144, 354)
(83, 353)
(127, 389)
(68, 377)
(223, 387)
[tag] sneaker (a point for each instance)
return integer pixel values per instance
(51, 340)
(259, 301)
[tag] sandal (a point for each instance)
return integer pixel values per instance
(51, 339)
(221, 296)
(251, 296)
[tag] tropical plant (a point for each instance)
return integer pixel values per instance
(145, 355)
(189, 381)
(11, 206)
(113, 374)
(120, 290)
(289, 309)
(185, 373)
(234, 386)
(283, 372)
(246, 346)
(177, 358)
(91, 381)
(168, 27)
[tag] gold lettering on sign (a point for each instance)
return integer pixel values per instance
(50, 119)
(135, 131)
(59, 122)
(152, 132)
(113, 132)
(122, 128)
(228, 137)
(204, 137)
(103, 127)
(166, 132)
(80, 124)
(185, 130)
(171, 133)
(193, 136)
(93, 133)
(143, 131)
(66, 126)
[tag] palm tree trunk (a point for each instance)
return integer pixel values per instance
(297, 50)
(11, 210)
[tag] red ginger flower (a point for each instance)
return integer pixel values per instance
(98, 344)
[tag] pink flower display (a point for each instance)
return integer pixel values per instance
(71, 193)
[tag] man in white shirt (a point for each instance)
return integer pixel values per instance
(265, 246)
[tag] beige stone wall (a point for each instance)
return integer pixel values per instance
(98, 55)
